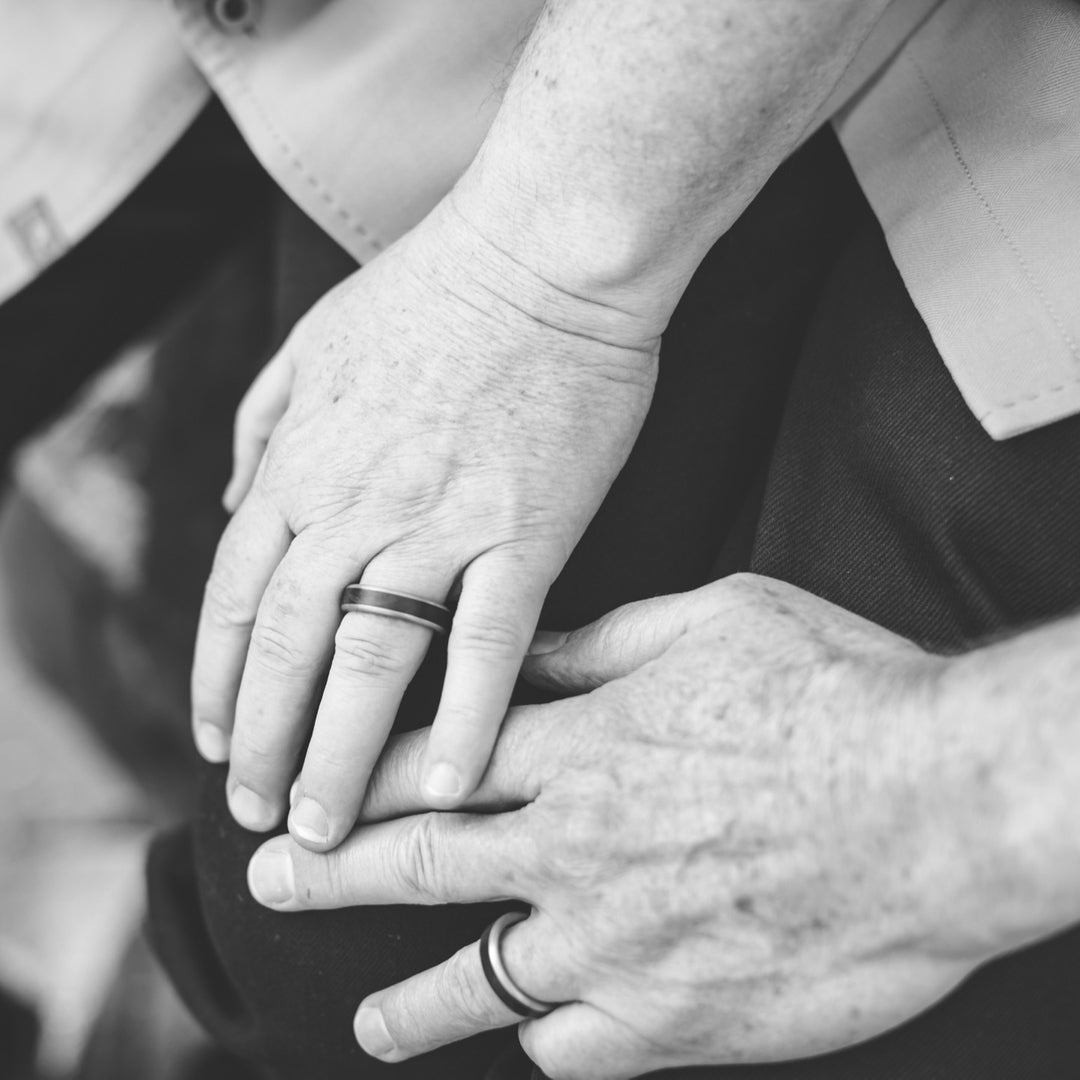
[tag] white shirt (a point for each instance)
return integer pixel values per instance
(961, 119)
(968, 147)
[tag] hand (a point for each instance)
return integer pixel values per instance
(759, 838)
(443, 418)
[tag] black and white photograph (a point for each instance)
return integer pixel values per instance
(539, 539)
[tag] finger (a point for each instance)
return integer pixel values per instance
(581, 1042)
(530, 751)
(375, 659)
(432, 858)
(250, 548)
(493, 624)
(258, 414)
(289, 651)
(613, 646)
(455, 1000)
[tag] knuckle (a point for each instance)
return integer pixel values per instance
(327, 771)
(460, 723)
(397, 773)
(583, 840)
(740, 590)
(365, 659)
(223, 607)
(544, 1055)
(416, 859)
(329, 877)
(254, 763)
(611, 638)
(465, 987)
(580, 849)
(494, 637)
(418, 495)
(278, 650)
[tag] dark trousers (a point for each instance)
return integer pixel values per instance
(872, 486)
(881, 493)
(877, 490)
(284, 989)
(126, 274)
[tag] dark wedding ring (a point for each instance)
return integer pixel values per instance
(506, 990)
(396, 605)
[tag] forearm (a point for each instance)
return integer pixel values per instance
(1010, 740)
(634, 132)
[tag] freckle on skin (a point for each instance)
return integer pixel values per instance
(744, 904)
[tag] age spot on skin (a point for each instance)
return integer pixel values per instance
(745, 905)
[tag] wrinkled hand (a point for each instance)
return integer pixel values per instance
(452, 420)
(754, 841)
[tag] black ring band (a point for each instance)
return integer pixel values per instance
(396, 605)
(502, 992)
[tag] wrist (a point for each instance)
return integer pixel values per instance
(472, 249)
(628, 255)
(1007, 779)
(630, 138)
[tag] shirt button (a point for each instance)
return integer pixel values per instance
(235, 16)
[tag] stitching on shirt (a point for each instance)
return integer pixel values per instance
(1027, 399)
(294, 160)
(1047, 304)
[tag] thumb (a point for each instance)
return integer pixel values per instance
(613, 646)
(262, 407)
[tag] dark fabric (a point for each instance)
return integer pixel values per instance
(283, 988)
(158, 427)
(886, 496)
(133, 267)
(917, 520)
(883, 495)
(19, 1031)
(73, 320)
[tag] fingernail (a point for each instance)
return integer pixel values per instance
(211, 742)
(270, 877)
(443, 781)
(545, 641)
(369, 1027)
(308, 820)
(251, 810)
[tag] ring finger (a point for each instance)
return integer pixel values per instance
(375, 659)
(455, 999)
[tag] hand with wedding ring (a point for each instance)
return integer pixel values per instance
(744, 844)
(443, 420)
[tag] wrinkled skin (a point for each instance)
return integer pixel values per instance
(407, 445)
(758, 837)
